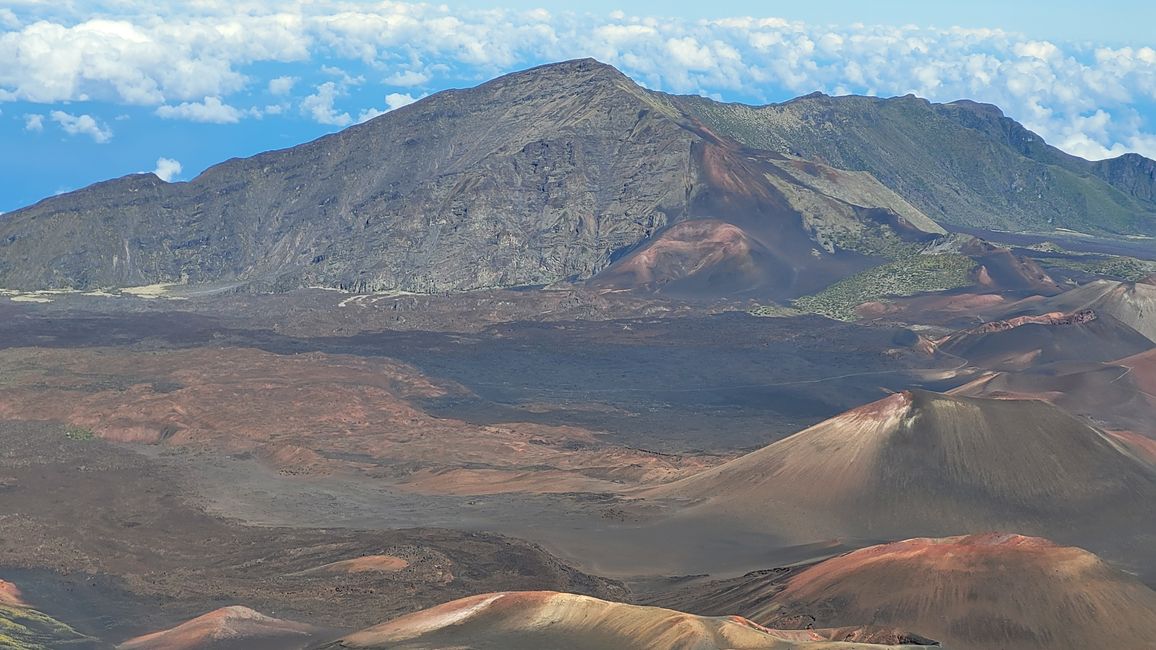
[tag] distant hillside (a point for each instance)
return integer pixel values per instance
(922, 463)
(572, 172)
(539, 176)
(991, 591)
(982, 592)
(962, 163)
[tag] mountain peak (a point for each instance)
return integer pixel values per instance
(897, 465)
(574, 71)
(555, 172)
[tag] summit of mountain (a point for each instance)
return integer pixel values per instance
(923, 463)
(572, 172)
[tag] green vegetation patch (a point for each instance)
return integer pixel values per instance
(904, 277)
(73, 432)
(28, 629)
(880, 240)
(1117, 267)
(774, 311)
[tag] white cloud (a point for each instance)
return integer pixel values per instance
(167, 169)
(369, 113)
(8, 19)
(345, 78)
(34, 122)
(407, 78)
(282, 85)
(211, 110)
(319, 106)
(174, 55)
(392, 101)
(82, 125)
(397, 100)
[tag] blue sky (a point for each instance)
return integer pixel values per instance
(91, 90)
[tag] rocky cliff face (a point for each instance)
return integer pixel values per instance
(527, 179)
(553, 174)
(1130, 173)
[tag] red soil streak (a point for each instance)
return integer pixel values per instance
(10, 595)
(1143, 368)
(1142, 446)
(685, 249)
(1052, 319)
(942, 554)
(303, 414)
(365, 564)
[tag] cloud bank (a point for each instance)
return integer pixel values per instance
(198, 61)
(167, 169)
(75, 125)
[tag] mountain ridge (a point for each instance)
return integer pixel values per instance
(913, 146)
(545, 175)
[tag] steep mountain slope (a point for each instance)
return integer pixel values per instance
(532, 178)
(529, 178)
(773, 226)
(921, 463)
(556, 172)
(962, 163)
(985, 592)
(534, 620)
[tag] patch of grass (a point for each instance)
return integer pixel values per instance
(880, 240)
(1117, 267)
(73, 432)
(773, 311)
(27, 629)
(904, 277)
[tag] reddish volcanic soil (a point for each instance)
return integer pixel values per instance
(313, 414)
(1142, 447)
(1025, 341)
(926, 463)
(364, 564)
(986, 592)
(1001, 270)
(10, 595)
(700, 255)
(1143, 367)
(747, 237)
(234, 627)
(118, 545)
(1116, 396)
(1133, 304)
